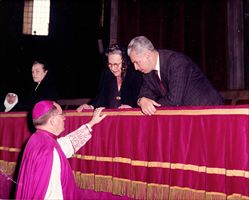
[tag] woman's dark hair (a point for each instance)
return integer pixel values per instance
(42, 62)
(116, 49)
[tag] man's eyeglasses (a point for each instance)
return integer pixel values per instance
(110, 65)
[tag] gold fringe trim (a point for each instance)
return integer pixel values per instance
(167, 165)
(121, 186)
(159, 192)
(136, 189)
(180, 166)
(215, 196)
(186, 193)
(142, 190)
(85, 181)
(237, 196)
(103, 183)
(132, 189)
(7, 168)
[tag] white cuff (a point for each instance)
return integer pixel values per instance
(89, 127)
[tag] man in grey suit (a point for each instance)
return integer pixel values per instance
(170, 78)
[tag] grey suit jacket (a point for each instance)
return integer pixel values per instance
(184, 83)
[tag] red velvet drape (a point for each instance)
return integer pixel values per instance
(179, 153)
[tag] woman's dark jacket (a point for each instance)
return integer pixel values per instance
(47, 90)
(110, 97)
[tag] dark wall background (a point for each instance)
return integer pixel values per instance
(246, 41)
(196, 27)
(71, 49)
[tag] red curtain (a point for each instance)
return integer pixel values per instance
(178, 153)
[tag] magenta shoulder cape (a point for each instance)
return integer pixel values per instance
(36, 165)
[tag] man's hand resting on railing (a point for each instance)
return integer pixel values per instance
(147, 105)
(84, 106)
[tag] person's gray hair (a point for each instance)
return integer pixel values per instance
(139, 44)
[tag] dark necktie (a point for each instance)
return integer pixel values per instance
(162, 87)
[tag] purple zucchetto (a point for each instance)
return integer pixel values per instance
(41, 108)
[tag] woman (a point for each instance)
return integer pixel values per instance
(119, 84)
(10, 101)
(42, 89)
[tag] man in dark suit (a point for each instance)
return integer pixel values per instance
(170, 78)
